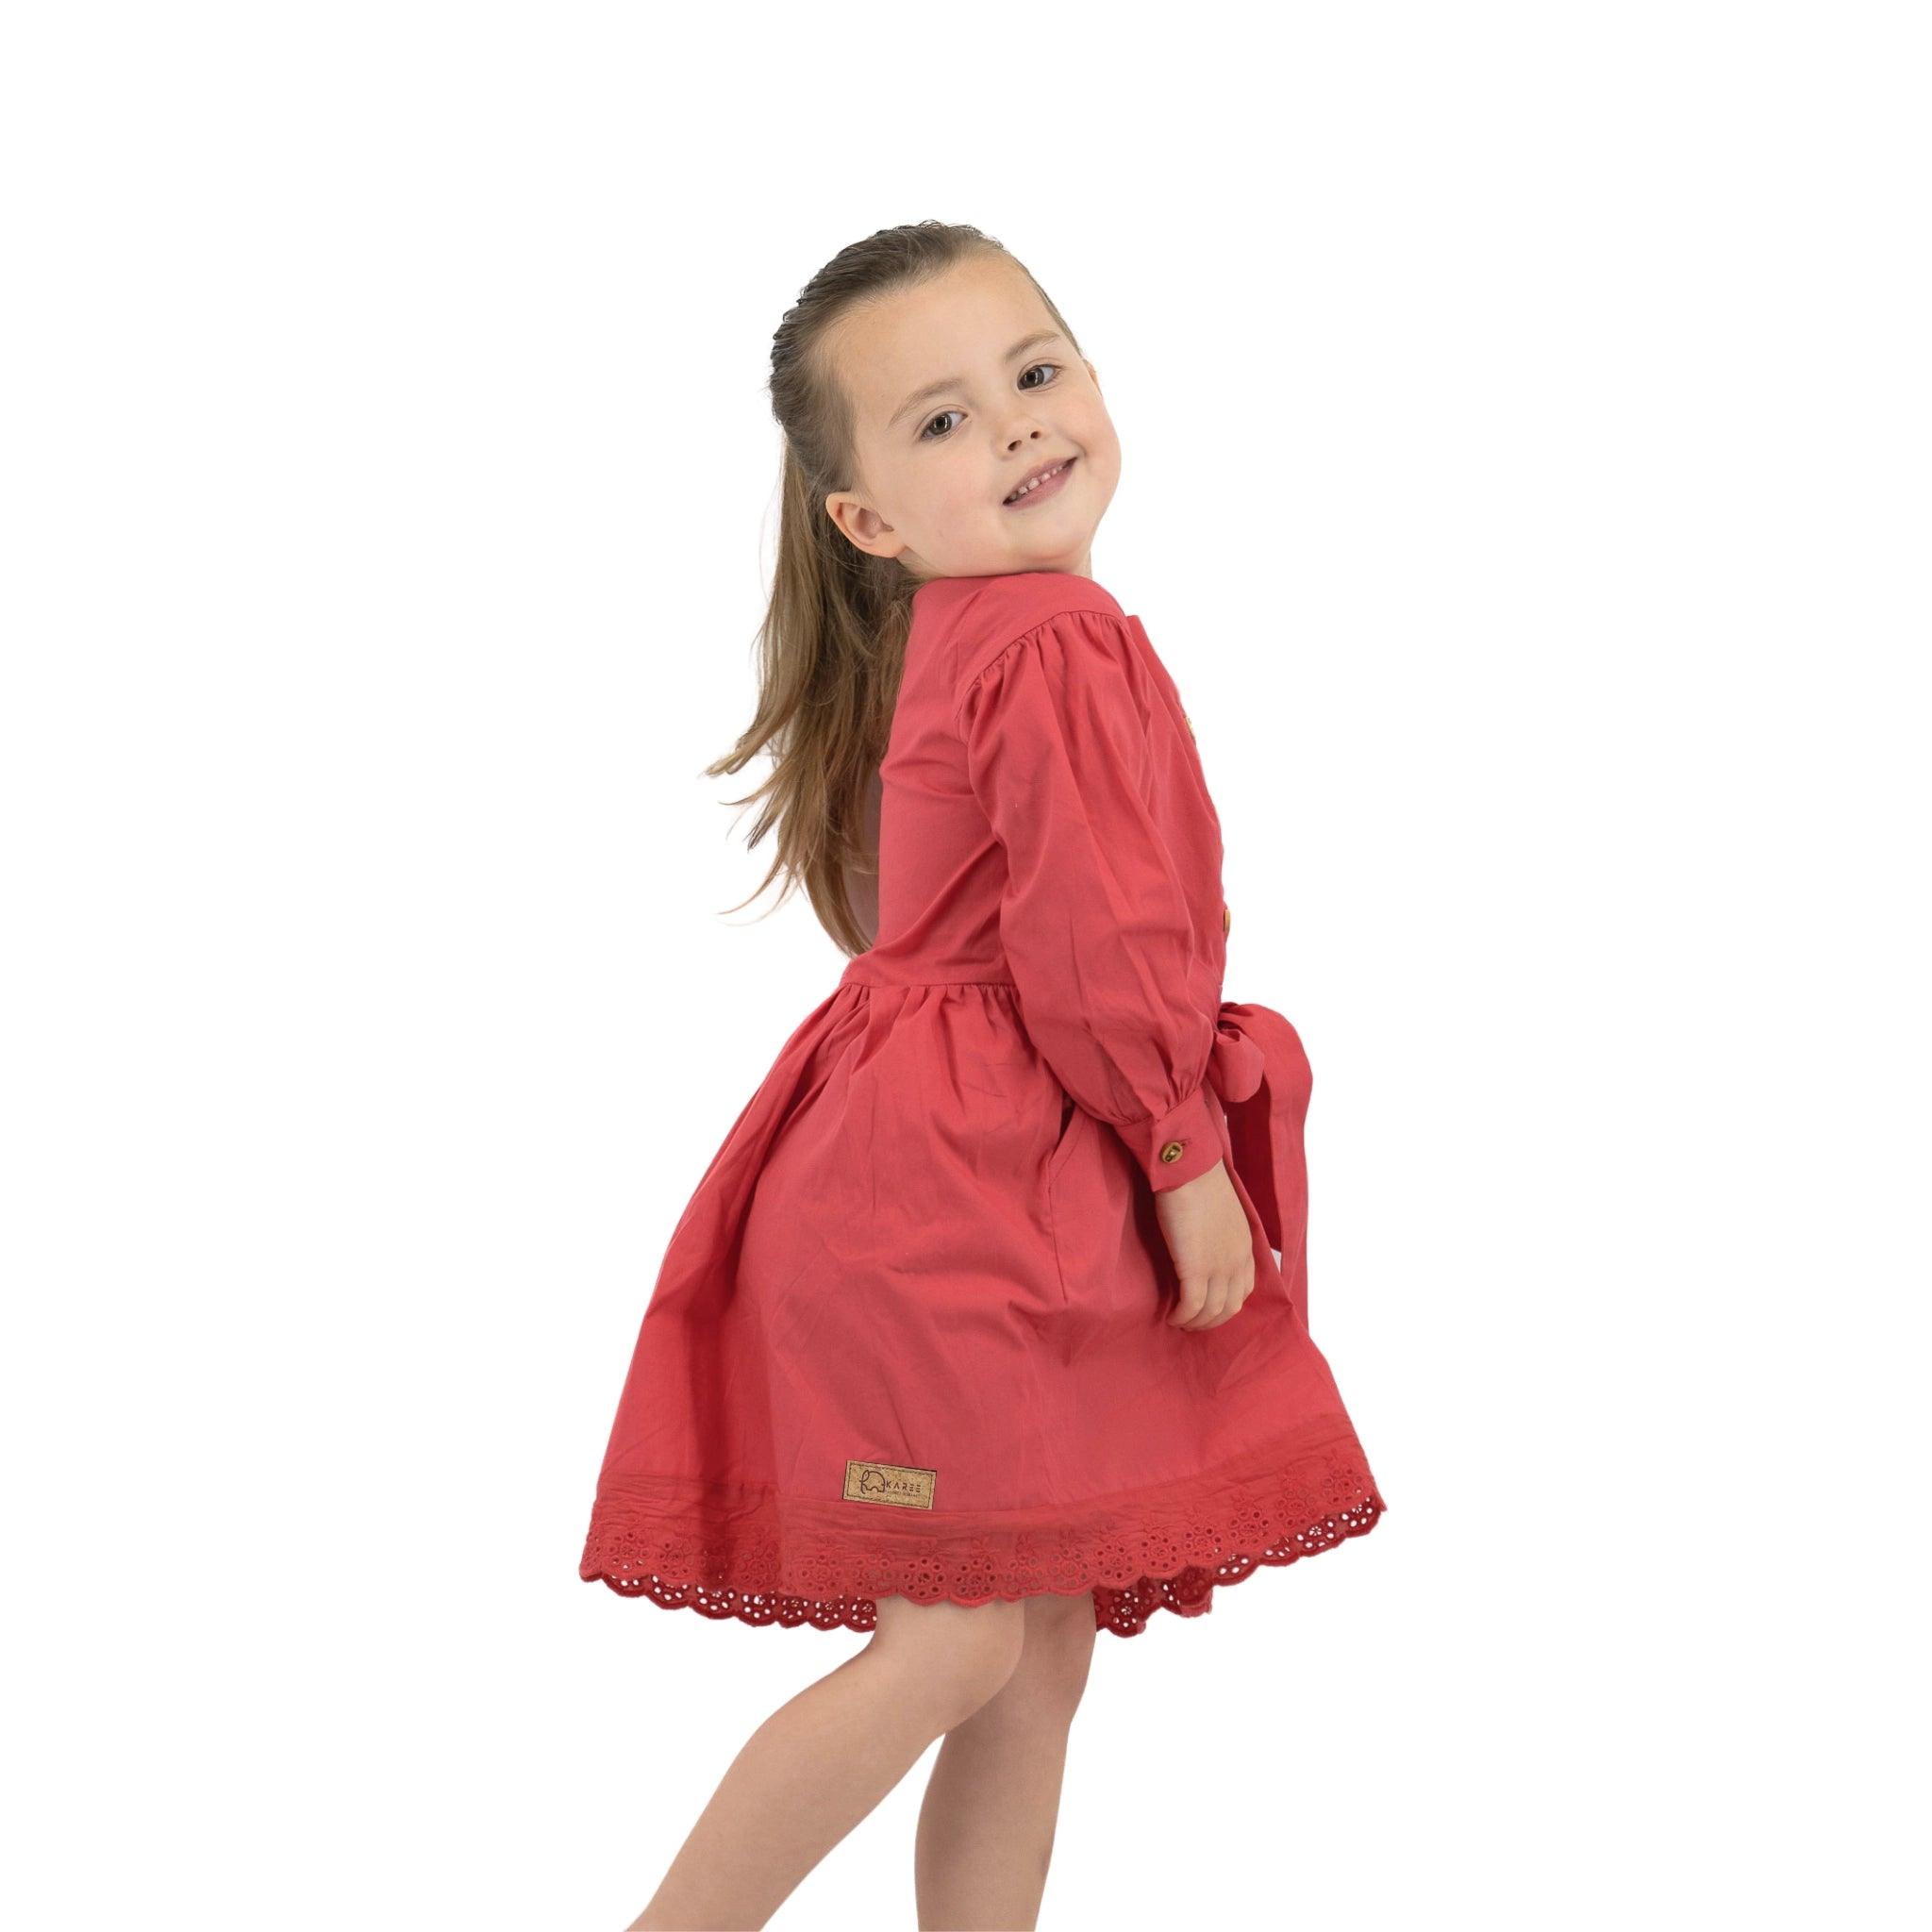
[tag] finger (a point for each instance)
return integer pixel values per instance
(1198, 1303)
(1213, 1304)
(1235, 1295)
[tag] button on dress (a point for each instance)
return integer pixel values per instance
(910, 1335)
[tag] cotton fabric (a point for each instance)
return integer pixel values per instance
(910, 1335)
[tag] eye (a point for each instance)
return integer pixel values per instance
(925, 434)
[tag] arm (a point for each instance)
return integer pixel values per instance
(1110, 915)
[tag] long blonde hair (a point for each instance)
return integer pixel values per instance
(832, 644)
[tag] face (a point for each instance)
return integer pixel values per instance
(961, 389)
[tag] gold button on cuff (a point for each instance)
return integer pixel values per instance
(1189, 723)
(1226, 921)
(1172, 1151)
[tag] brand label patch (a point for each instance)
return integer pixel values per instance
(890, 1482)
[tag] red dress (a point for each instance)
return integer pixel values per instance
(910, 1335)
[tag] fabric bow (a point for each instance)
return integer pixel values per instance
(1260, 1072)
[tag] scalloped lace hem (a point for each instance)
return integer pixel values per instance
(1169, 1551)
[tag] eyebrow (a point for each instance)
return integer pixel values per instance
(951, 382)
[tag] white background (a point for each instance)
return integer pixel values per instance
(1525, 413)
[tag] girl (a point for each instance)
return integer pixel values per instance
(986, 1328)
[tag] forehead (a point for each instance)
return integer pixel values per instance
(962, 326)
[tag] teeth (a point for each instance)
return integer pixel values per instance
(1046, 477)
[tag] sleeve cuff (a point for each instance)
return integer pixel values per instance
(1177, 1146)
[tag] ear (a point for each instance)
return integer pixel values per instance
(862, 526)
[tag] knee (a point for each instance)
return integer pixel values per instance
(957, 1657)
(1059, 1652)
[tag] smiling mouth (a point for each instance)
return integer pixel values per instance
(1049, 482)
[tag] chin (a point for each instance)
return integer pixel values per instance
(1072, 541)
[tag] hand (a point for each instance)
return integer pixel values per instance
(1213, 1248)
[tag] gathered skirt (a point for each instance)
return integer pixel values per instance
(910, 1338)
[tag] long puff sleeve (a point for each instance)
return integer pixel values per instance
(1109, 915)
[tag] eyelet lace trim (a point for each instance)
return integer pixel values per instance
(762, 1560)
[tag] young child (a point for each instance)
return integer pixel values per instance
(986, 1328)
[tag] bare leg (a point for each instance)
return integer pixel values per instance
(821, 1762)
(986, 1828)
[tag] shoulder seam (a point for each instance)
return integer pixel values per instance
(1007, 650)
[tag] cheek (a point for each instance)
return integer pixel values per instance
(964, 490)
(1102, 444)
(928, 497)
(1103, 462)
